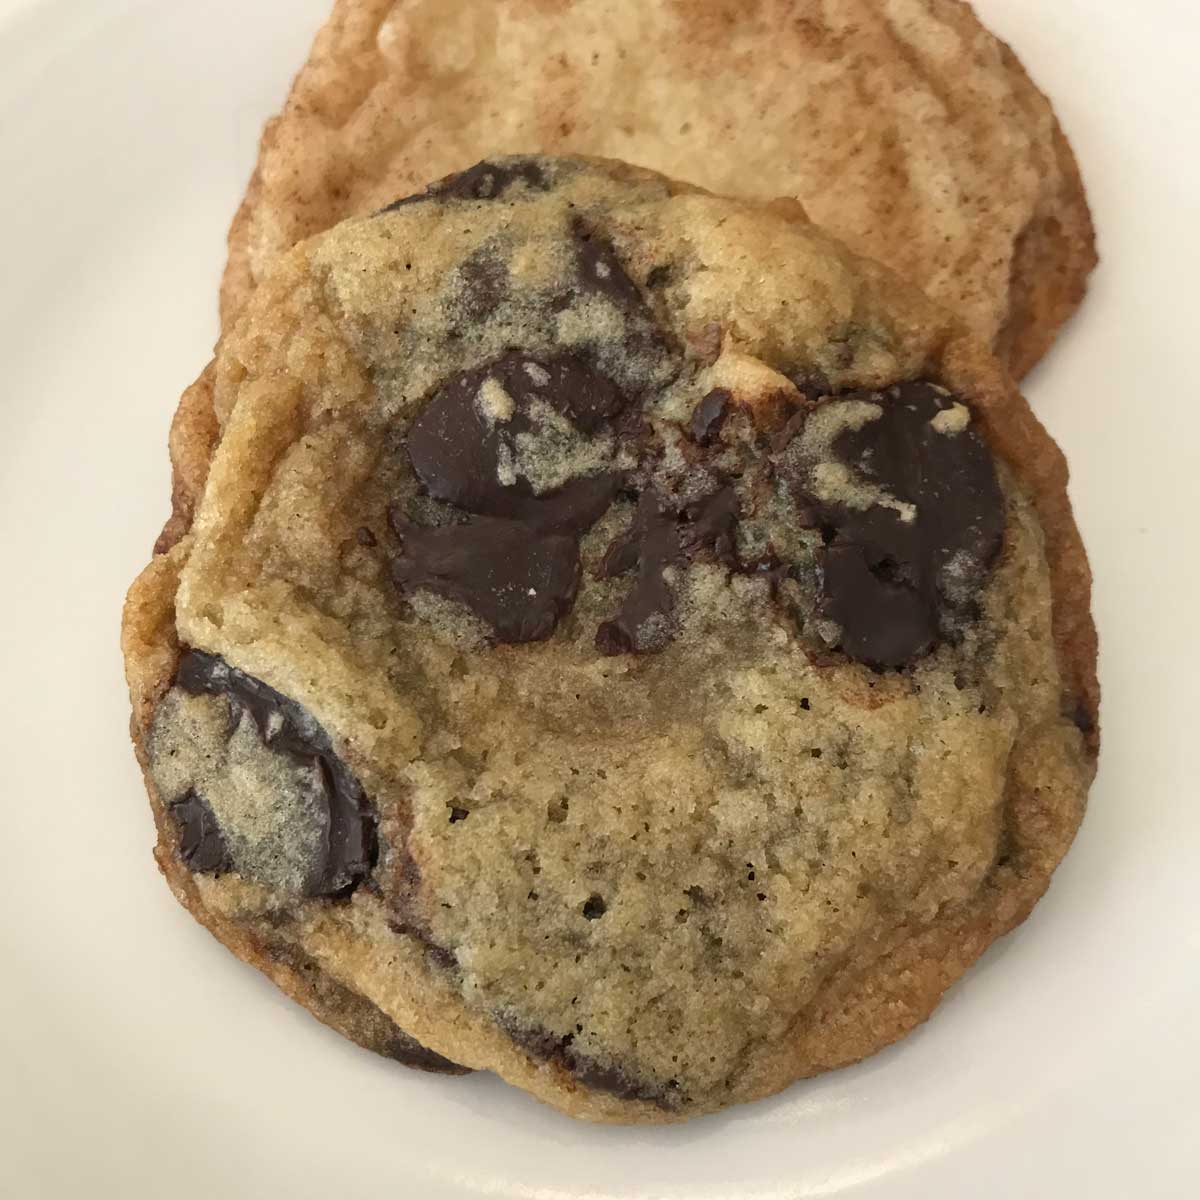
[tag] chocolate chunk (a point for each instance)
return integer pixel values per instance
(651, 544)
(408, 1052)
(576, 506)
(811, 384)
(792, 428)
(600, 270)
(490, 180)
(484, 181)
(709, 415)
(201, 842)
(545, 1046)
(348, 842)
(484, 282)
(659, 538)
(456, 456)
(614, 1081)
(712, 523)
(517, 579)
(885, 623)
(515, 562)
(455, 449)
(600, 273)
(898, 572)
(357, 1018)
(584, 396)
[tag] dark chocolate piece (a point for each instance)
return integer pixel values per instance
(651, 544)
(348, 842)
(515, 561)
(712, 523)
(484, 181)
(546, 1047)
(517, 579)
(408, 1052)
(356, 1017)
(456, 453)
(895, 586)
(811, 384)
(600, 270)
(484, 284)
(201, 842)
(488, 180)
(660, 538)
(885, 623)
(709, 415)
(659, 276)
(792, 429)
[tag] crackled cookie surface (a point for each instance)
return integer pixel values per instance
(626, 642)
(903, 126)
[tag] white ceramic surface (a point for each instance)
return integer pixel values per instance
(138, 1058)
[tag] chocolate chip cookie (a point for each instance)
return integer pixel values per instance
(908, 130)
(627, 642)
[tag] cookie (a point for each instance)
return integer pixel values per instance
(627, 641)
(906, 129)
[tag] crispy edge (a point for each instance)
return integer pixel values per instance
(237, 281)
(1053, 258)
(191, 444)
(343, 56)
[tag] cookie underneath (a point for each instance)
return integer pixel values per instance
(910, 131)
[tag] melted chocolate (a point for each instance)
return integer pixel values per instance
(812, 385)
(601, 271)
(709, 416)
(1083, 719)
(490, 180)
(484, 181)
(456, 452)
(593, 1074)
(408, 1052)
(485, 284)
(712, 523)
(895, 586)
(516, 578)
(651, 545)
(885, 622)
(201, 842)
(348, 843)
(660, 538)
(515, 560)
(441, 958)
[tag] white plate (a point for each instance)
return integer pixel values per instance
(138, 1057)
